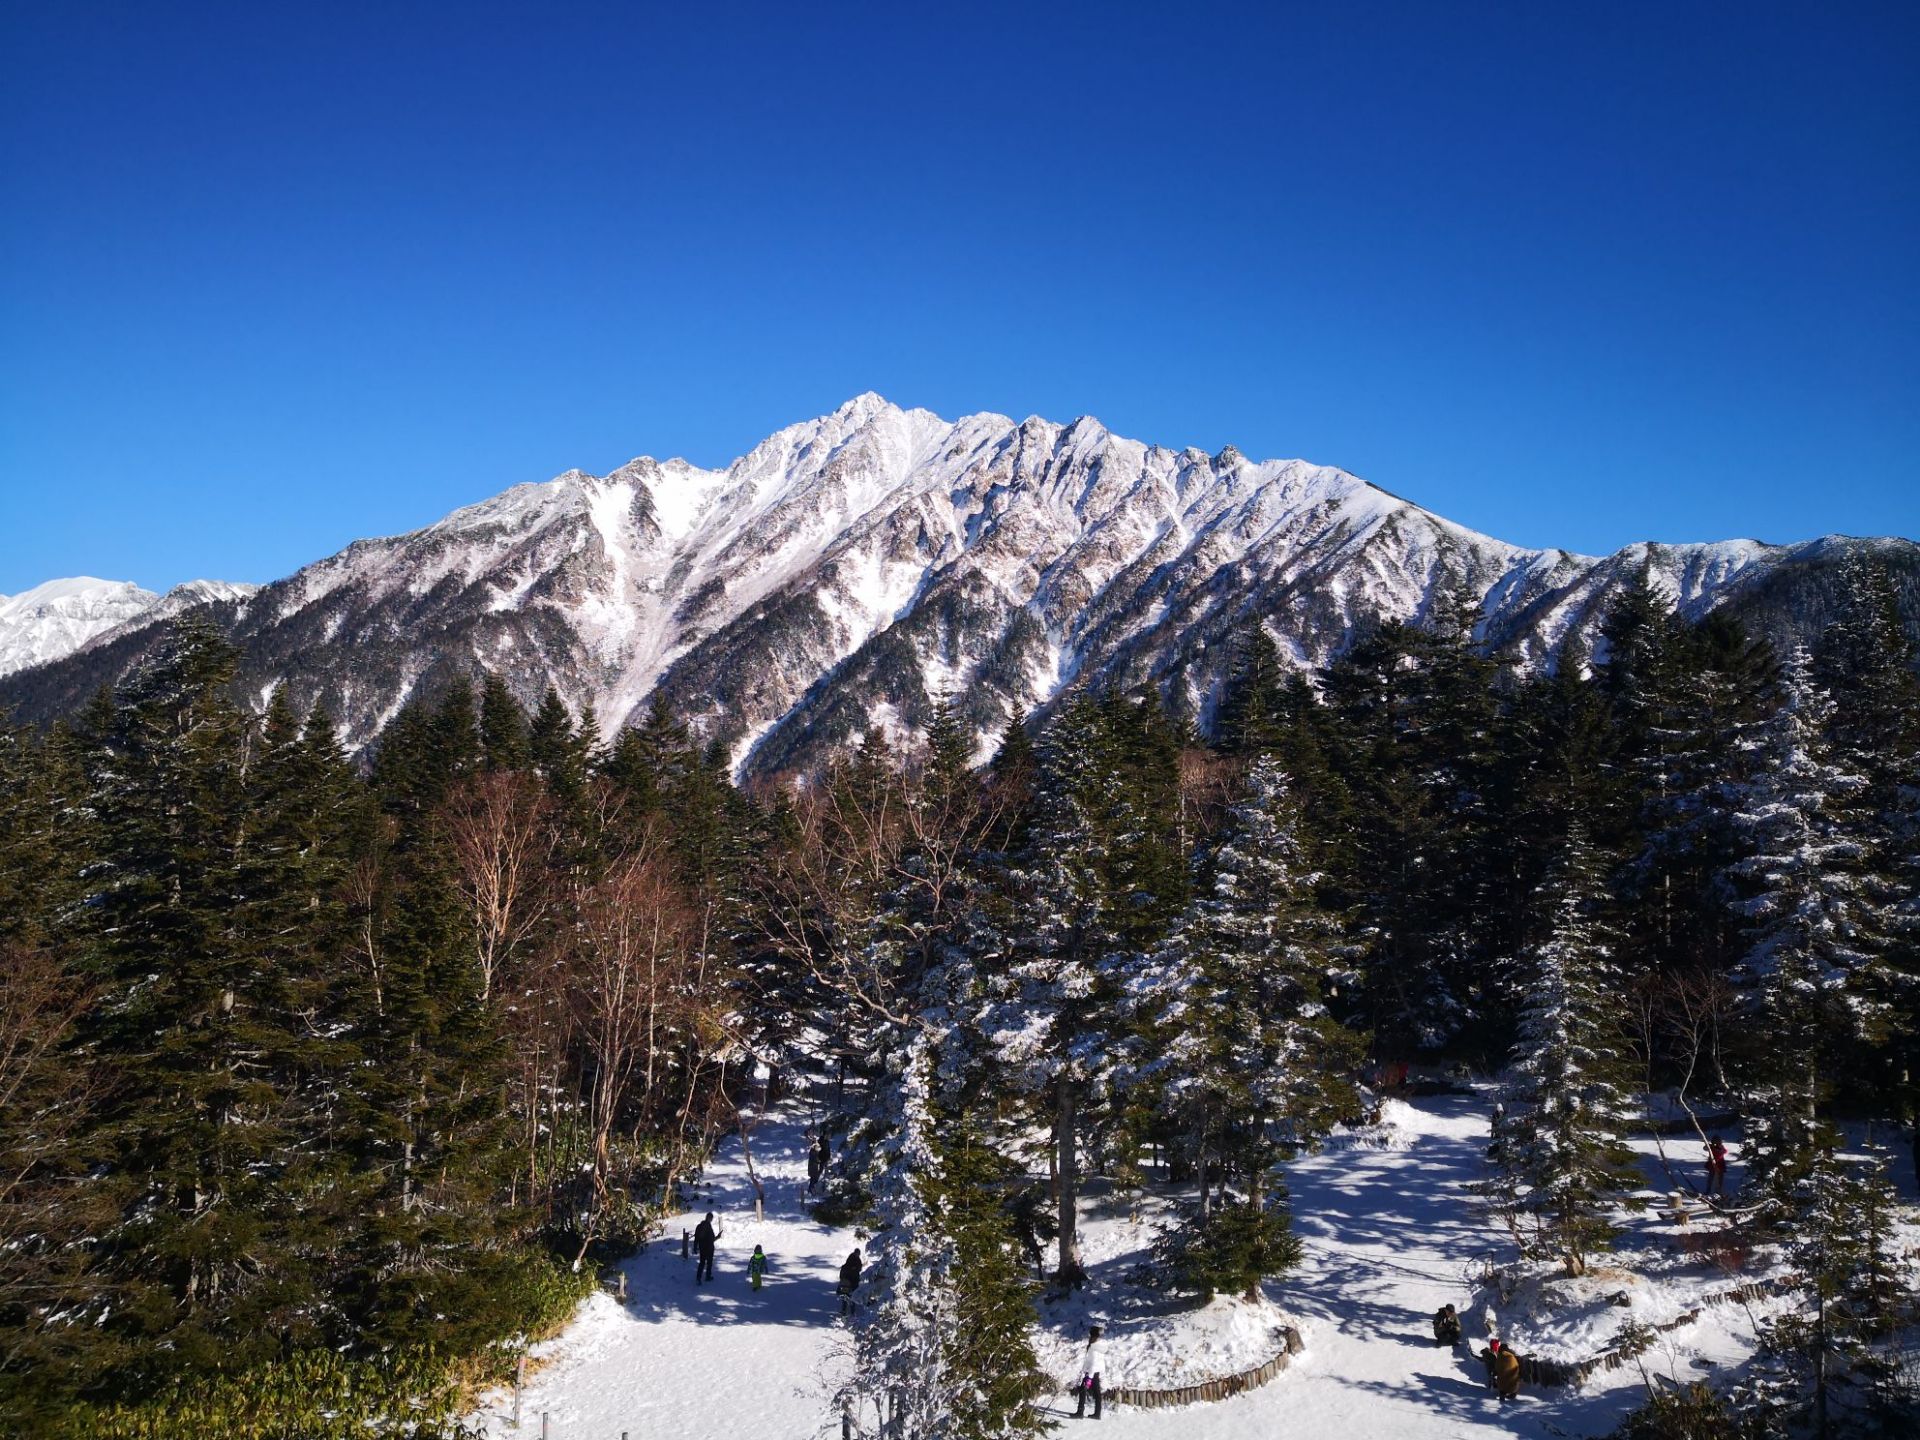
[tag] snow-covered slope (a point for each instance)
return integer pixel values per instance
(849, 570)
(59, 617)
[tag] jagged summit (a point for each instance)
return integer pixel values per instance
(849, 568)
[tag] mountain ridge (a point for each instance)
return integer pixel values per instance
(53, 619)
(848, 569)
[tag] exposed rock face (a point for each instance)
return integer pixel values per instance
(848, 570)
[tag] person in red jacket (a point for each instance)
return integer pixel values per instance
(1716, 1166)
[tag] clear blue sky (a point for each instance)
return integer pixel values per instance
(274, 277)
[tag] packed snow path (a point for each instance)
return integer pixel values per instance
(1390, 1236)
(720, 1360)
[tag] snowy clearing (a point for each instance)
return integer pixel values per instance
(1392, 1232)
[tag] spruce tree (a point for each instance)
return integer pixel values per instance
(1814, 928)
(1562, 1152)
(198, 1022)
(1246, 1047)
(1844, 1261)
(504, 742)
(1417, 711)
(945, 1352)
(1866, 660)
(1042, 1012)
(1254, 709)
(1240, 1047)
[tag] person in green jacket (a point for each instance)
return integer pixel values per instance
(757, 1266)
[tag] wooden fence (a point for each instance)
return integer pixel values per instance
(1574, 1373)
(1221, 1388)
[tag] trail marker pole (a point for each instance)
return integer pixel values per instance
(544, 1433)
(519, 1381)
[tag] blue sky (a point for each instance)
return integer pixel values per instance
(273, 278)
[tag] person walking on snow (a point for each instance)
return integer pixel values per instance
(704, 1237)
(1717, 1167)
(1090, 1374)
(849, 1282)
(817, 1162)
(757, 1266)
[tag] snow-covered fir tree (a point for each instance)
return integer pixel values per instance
(1238, 1046)
(1563, 1160)
(944, 1350)
(1042, 1015)
(1867, 658)
(1818, 1366)
(1815, 923)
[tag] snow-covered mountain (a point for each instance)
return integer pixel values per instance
(848, 570)
(59, 617)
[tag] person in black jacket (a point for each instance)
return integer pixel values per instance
(704, 1237)
(1446, 1325)
(849, 1282)
(817, 1160)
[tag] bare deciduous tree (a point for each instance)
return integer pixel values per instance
(500, 826)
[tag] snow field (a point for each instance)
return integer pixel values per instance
(718, 1361)
(1392, 1230)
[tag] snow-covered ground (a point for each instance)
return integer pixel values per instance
(1392, 1231)
(718, 1360)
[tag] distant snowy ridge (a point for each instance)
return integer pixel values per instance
(55, 619)
(59, 617)
(848, 571)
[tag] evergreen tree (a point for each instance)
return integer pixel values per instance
(1562, 1152)
(1043, 1014)
(1011, 776)
(1814, 928)
(1556, 767)
(946, 1351)
(1843, 1253)
(1255, 711)
(198, 1021)
(1699, 726)
(550, 741)
(1867, 660)
(1244, 1051)
(1417, 709)
(504, 741)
